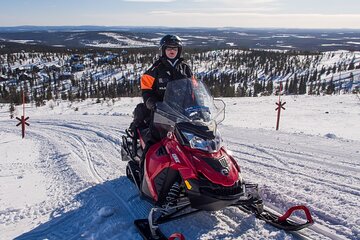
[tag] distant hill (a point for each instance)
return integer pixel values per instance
(32, 37)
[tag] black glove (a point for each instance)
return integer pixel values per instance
(151, 104)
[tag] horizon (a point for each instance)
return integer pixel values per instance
(262, 14)
(174, 27)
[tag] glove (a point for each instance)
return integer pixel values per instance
(151, 104)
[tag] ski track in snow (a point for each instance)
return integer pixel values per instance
(307, 175)
(89, 196)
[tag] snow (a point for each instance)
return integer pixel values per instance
(22, 41)
(356, 43)
(66, 180)
(120, 42)
(284, 46)
(317, 115)
(231, 44)
(18, 170)
(332, 44)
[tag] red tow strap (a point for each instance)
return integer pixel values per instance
(293, 209)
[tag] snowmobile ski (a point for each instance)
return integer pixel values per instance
(143, 227)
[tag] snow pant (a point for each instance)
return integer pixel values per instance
(142, 117)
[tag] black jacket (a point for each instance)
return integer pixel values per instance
(154, 80)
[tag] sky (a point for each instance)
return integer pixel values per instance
(184, 13)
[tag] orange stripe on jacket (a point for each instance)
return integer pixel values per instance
(147, 82)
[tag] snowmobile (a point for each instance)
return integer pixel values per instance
(189, 170)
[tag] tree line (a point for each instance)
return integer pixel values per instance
(71, 75)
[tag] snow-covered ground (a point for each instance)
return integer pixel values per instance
(66, 180)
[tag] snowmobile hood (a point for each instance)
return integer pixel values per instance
(216, 167)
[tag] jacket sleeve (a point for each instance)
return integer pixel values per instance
(147, 83)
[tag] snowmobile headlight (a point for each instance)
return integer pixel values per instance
(197, 142)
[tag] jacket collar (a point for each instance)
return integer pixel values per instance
(168, 62)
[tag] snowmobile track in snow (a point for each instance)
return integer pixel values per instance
(76, 139)
(85, 156)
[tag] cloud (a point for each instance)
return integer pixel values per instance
(236, 5)
(149, 1)
(237, 1)
(235, 9)
(217, 11)
(246, 12)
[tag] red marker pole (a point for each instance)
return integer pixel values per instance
(278, 109)
(23, 98)
(23, 119)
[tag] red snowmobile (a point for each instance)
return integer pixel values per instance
(190, 170)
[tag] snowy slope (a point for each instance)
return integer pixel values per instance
(66, 180)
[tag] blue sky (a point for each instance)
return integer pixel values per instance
(183, 13)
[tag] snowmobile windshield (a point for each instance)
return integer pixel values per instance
(188, 100)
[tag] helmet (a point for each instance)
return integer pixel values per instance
(170, 40)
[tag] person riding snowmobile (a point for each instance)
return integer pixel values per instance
(189, 169)
(169, 67)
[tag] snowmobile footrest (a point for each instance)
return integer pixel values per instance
(144, 228)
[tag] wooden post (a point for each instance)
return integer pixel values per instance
(280, 106)
(23, 119)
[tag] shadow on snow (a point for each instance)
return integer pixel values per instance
(107, 211)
